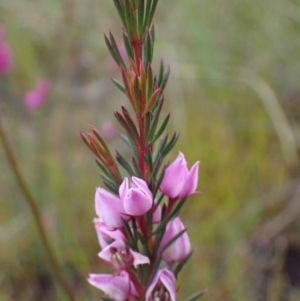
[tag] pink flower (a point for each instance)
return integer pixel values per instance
(118, 288)
(35, 98)
(109, 208)
(178, 181)
(120, 256)
(162, 287)
(137, 199)
(6, 59)
(106, 235)
(108, 130)
(181, 247)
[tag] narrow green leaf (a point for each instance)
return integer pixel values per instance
(124, 164)
(155, 117)
(149, 46)
(136, 168)
(129, 17)
(131, 132)
(136, 91)
(116, 49)
(129, 121)
(143, 269)
(181, 264)
(173, 239)
(170, 145)
(158, 182)
(196, 296)
(110, 185)
(130, 143)
(151, 102)
(147, 14)
(159, 200)
(120, 8)
(176, 210)
(147, 126)
(155, 267)
(164, 81)
(161, 129)
(152, 11)
(160, 147)
(161, 73)
(119, 85)
(141, 12)
(149, 81)
(127, 44)
(128, 232)
(159, 233)
(102, 167)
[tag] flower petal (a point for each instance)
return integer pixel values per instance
(115, 287)
(174, 177)
(191, 181)
(108, 208)
(136, 203)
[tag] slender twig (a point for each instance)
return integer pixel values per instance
(36, 214)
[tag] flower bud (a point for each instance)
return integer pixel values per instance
(178, 181)
(180, 248)
(137, 199)
(162, 288)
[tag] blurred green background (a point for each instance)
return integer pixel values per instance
(234, 94)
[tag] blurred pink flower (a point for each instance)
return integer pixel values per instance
(35, 98)
(108, 130)
(6, 59)
(178, 181)
(181, 247)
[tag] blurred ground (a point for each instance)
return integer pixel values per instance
(234, 95)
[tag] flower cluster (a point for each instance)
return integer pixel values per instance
(138, 225)
(129, 208)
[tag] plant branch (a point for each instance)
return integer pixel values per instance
(36, 214)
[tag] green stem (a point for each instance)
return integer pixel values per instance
(36, 214)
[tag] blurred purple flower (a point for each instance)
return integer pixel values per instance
(178, 181)
(6, 59)
(181, 247)
(35, 98)
(162, 287)
(136, 199)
